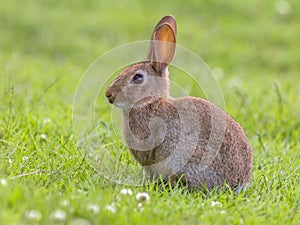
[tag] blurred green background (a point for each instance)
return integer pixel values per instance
(253, 38)
(45, 48)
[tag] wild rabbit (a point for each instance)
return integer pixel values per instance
(187, 138)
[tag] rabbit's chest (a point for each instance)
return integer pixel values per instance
(152, 132)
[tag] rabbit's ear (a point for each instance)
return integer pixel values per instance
(163, 44)
(170, 20)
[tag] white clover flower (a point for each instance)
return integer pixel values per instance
(216, 204)
(46, 120)
(33, 215)
(25, 158)
(44, 136)
(65, 203)
(112, 208)
(10, 161)
(59, 215)
(143, 197)
(125, 191)
(3, 182)
(80, 191)
(93, 208)
(140, 206)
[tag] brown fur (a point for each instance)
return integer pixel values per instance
(170, 137)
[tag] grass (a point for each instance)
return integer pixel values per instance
(46, 46)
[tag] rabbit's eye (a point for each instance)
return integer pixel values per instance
(138, 78)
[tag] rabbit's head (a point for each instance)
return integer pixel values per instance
(149, 79)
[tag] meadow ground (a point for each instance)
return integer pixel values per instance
(45, 48)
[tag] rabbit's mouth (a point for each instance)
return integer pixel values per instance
(117, 100)
(122, 105)
(140, 103)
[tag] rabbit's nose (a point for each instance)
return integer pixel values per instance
(110, 97)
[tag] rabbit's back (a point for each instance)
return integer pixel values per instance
(223, 153)
(188, 136)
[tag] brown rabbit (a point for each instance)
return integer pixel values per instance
(184, 138)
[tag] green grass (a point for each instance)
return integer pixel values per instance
(45, 47)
